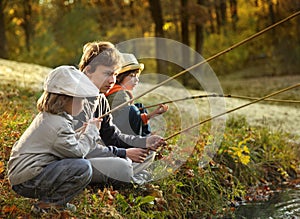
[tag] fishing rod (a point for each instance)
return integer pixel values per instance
(271, 100)
(219, 95)
(205, 61)
(232, 110)
(200, 63)
(210, 58)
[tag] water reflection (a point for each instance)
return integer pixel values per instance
(283, 205)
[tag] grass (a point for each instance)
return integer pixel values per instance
(248, 157)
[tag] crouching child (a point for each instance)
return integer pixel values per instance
(47, 163)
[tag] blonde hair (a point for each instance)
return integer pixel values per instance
(100, 53)
(52, 103)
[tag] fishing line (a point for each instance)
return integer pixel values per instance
(219, 95)
(270, 100)
(207, 60)
(201, 63)
(232, 110)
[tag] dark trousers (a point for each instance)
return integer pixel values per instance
(59, 182)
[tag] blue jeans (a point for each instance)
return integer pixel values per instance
(59, 182)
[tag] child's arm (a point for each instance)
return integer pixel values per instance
(67, 145)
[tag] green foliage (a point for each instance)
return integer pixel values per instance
(254, 153)
(52, 33)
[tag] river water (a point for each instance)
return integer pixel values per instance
(283, 205)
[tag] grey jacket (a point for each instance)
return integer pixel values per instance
(48, 138)
(127, 118)
(109, 132)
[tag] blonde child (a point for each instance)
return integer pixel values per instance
(47, 163)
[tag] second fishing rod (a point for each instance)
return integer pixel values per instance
(219, 95)
(201, 63)
(207, 60)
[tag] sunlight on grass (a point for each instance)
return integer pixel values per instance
(249, 156)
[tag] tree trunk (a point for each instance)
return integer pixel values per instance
(223, 8)
(27, 7)
(234, 15)
(211, 20)
(3, 41)
(218, 15)
(199, 35)
(156, 13)
(184, 23)
(271, 12)
(185, 38)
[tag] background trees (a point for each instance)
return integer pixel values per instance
(52, 32)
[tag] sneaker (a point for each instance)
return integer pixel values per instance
(36, 209)
(142, 177)
(42, 208)
(70, 207)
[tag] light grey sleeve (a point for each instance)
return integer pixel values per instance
(67, 145)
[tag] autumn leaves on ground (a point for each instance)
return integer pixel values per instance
(249, 163)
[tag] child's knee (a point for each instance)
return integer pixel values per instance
(84, 170)
(125, 170)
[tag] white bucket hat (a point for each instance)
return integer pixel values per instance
(70, 81)
(130, 63)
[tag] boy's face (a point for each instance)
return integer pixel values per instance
(131, 81)
(104, 77)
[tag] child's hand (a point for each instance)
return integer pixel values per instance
(137, 155)
(96, 122)
(153, 142)
(161, 109)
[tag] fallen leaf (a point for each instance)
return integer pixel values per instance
(1, 167)
(9, 209)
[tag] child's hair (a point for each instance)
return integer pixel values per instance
(122, 76)
(52, 103)
(99, 53)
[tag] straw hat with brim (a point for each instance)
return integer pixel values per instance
(130, 63)
(69, 81)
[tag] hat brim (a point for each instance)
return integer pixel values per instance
(69, 81)
(132, 67)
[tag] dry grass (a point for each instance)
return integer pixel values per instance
(285, 117)
(22, 74)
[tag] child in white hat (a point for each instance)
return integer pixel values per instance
(47, 163)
